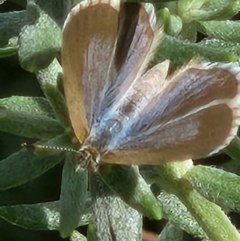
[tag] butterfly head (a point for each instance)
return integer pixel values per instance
(89, 157)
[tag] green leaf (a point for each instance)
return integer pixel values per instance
(30, 105)
(171, 178)
(216, 185)
(49, 79)
(40, 216)
(191, 10)
(23, 166)
(172, 23)
(226, 46)
(224, 30)
(186, 51)
(57, 10)
(39, 40)
(8, 51)
(113, 219)
(29, 117)
(60, 144)
(76, 236)
(73, 195)
(210, 217)
(233, 149)
(137, 194)
(171, 233)
(11, 24)
(178, 214)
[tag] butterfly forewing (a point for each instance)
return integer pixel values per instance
(196, 114)
(89, 37)
(137, 38)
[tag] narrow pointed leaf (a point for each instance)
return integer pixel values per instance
(191, 10)
(59, 144)
(40, 216)
(172, 23)
(233, 149)
(30, 105)
(49, 79)
(225, 30)
(8, 51)
(169, 46)
(17, 120)
(178, 214)
(39, 40)
(23, 166)
(73, 195)
(126, 182)
(210, 217)
(231, 47)
(170, 233)
(217, 185)
(76, 236)
(11, 24)
(113, 219)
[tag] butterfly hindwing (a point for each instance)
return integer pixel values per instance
(196, 114)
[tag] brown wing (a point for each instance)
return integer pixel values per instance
(137, 40)
(89, 36)
(195, 115)
(106, 44)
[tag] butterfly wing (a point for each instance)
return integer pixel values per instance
(137, 39)
(89, 36)
(195, 115)
(106, 44)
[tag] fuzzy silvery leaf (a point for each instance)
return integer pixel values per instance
(172, 23)
(191, 10)
(23, 166)
(36, 52)
(7, 51)
(40, 216)
(113, 219)
(138, 194)
(73, 195)
(187, 51)
(224, 30)
(11, 24)
(178, 214)
(49, 79)
(216, 185)
(171, 233)
(76, 236)
(28, 116)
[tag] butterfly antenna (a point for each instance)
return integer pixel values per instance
(46, 147)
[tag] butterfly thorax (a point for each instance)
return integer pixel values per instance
(102, 134)
(96, 144)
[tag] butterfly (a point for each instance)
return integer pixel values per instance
(124, 112)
